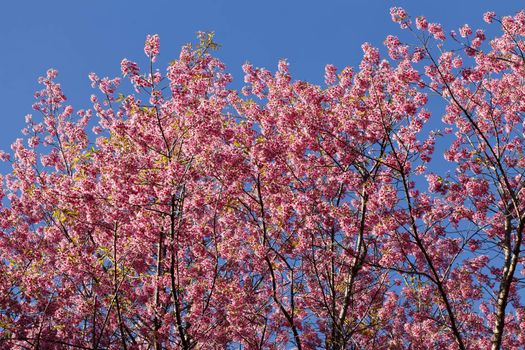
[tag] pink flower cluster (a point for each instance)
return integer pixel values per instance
(293, 216)
(151, 46)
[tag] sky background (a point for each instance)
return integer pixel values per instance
(78, 37)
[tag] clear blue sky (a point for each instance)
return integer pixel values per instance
(77, 37)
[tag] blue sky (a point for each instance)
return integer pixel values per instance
(78, 37)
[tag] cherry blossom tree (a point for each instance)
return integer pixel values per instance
(177, 213)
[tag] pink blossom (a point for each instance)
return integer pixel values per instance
(418, 55)
(371, 54)
(4, 156)
(330, 75)
(421, 23)
(399, 15)
(93, 78)
(436, 30)
(34, 141)
(480, 34)
(489, 16)
(457, 62)
(202, 217)
(465, 31)
(151, 46)
(52, 73)
(129, 68)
